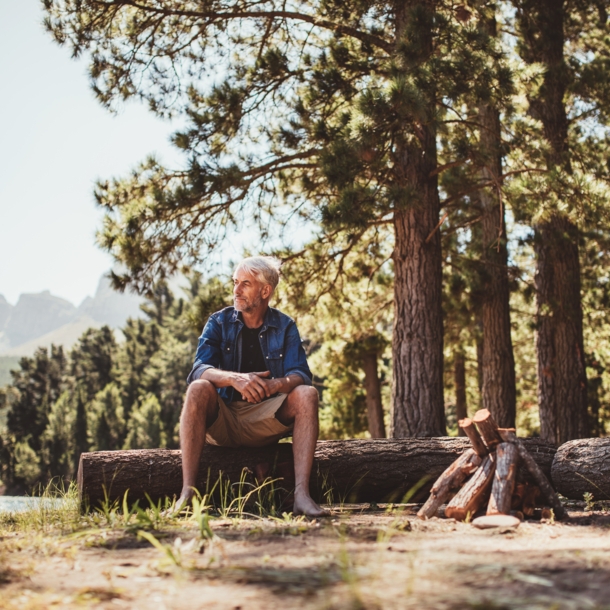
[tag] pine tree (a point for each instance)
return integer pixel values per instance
(568, 105)
(327, 109)
(498, 364)
(39, 382)
(106, 420)
(145, 428)
(58, 439)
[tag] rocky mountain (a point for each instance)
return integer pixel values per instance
(41, 319)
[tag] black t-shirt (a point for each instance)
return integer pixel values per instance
(252, 359)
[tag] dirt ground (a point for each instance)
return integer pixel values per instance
(358, 558)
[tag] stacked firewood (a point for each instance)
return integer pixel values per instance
(485, 476)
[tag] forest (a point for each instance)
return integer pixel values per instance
(434, 175)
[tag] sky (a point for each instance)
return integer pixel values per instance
(56, 140)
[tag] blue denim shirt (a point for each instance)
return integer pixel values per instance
(220, 347)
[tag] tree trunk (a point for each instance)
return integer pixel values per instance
(417, 343)
(374, 408)
(562, 382)
(562, 392)
(361, 470)
(582, 466)
(459, 377)
(498, 387)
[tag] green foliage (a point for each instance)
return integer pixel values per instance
(106, 420)
(145, 429)
(27, 465)
(58, 439)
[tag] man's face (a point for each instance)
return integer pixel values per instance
(248, 292)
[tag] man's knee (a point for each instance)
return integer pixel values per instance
(202, 394)
(306, 396)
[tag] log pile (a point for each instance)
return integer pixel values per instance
(486, 477)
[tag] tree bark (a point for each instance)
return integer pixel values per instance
(562, 381)
(459, 377)
(498, 374)
(361, 470)
(374, 407)
(562, 393)
(582, 466)
(417, 345)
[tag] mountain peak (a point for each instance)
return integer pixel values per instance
(40, 315)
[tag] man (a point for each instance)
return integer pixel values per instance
(250, 383)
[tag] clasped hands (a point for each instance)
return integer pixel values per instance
(254, 387)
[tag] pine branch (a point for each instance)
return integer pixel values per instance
(289, 15)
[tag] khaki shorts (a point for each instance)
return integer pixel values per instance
(244, 424)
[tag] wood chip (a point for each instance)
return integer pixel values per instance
(491, 521)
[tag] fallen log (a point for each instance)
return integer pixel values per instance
(582, 466)
(360, 470)
(504, 479)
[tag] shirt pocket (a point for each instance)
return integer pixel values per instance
(275, 362)
(227, 355)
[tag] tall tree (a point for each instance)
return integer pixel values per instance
(330, 109)
(498, 363)
(562, 383)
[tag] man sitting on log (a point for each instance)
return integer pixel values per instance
(250, 384)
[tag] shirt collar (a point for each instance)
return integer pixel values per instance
(270, 319)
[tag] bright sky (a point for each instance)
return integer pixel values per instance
(55, 141)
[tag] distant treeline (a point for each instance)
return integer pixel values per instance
(103, 394)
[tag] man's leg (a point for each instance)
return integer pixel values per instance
(301, 408)
(200, 410)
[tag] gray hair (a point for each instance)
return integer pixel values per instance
(266, 269)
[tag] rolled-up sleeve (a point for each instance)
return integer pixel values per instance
(208, 350)
(295, 360)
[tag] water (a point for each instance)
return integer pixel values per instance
(19, 504)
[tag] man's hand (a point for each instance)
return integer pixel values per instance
(253, 387)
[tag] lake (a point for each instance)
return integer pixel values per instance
(18, 504)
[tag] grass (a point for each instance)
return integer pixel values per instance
(58, 517)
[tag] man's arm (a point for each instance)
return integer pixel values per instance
(253, 387)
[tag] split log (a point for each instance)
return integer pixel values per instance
(504, 479)
(539, 477)
(472, 433)
(361, 470)
(582, 466)
(488, 428)
(451, 479)
(474, 493)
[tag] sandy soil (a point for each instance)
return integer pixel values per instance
(356, 559)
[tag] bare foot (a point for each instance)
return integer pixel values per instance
(304, 505)
(183, 501)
